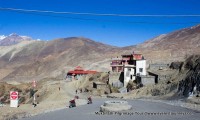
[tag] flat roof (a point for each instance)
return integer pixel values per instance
(129, 65)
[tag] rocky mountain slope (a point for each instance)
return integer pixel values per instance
(37, 59)
(184, 38)
(191, 82)
(175, 46)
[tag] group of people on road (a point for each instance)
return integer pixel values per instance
(72, 103)
(79, 90)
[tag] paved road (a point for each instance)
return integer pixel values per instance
(142, 110)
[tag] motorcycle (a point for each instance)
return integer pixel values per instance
(72, 103)
(89, 100)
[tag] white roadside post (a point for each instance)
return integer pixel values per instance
(14, 99)
(34, 85)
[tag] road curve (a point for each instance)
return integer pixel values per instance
(142, 110)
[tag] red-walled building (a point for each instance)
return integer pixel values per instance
(130, 65)
(118, 63)
(79, 71)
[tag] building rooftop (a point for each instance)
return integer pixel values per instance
(129, 65)
(80, 70)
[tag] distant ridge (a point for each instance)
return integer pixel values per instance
(175, 46)
(12, 39)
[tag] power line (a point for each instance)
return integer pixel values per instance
(105, 20)
(98, 14)
(90, 19)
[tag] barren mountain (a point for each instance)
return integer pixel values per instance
(184, 38)
(30, 60)
(38, 59)
(174, 46)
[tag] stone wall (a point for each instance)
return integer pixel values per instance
(147, 80)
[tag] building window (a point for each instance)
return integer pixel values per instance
(140, 69)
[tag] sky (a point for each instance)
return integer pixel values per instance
(113, 30)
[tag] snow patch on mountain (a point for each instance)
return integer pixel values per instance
(13, 39)
(2, 37)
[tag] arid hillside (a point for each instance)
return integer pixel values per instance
(175, 46)
(30, 60)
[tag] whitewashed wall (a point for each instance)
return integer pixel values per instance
(141, 64)
(127, 74)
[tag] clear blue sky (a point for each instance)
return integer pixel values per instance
(117, 31)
